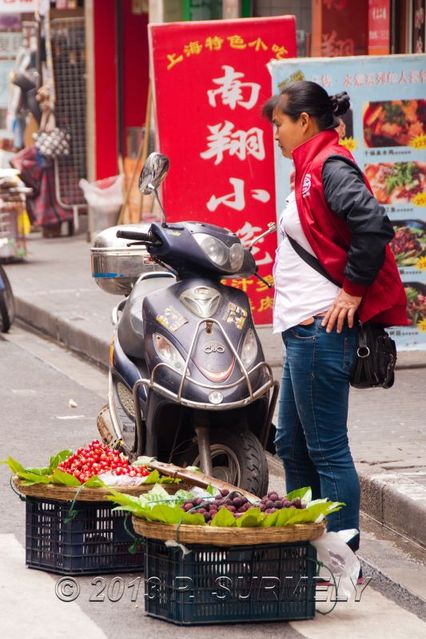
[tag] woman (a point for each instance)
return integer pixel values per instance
(333, 215)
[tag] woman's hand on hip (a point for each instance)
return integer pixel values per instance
(344, 307)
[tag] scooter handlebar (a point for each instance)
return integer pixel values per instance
(138, 236)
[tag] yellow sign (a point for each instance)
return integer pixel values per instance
(419, 142)
(419, 199)
(349, 143)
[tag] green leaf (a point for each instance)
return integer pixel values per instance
(270, 520)
(311, 515)
(94, 482)
(252, 518)
(14, 465)
(159, 495)
(181, 495)
(59, 458)
(326, 505)
(314, 512)
(304, 494)
(193, 519)
(287, 516)
(128, 502)
(152, 478)
(39, 471)
(165, 514)
(223, 518)
(169, 480)
(33, 478)
(143, 460)
(64, 479)
(155, 495)
(323, 510)
(211, 490)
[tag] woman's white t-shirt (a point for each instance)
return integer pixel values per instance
(300, 291)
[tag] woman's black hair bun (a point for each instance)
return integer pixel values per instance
(340, 103)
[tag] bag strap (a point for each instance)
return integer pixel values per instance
(47, 118)
(312, 261)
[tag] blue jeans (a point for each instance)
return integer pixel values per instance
(312, 437)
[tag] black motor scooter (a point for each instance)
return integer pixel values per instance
(188, 382)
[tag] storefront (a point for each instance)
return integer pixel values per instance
(99, 68)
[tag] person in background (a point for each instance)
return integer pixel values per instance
(333, 215)
(341, 128)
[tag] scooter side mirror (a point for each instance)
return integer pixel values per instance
(153, 173)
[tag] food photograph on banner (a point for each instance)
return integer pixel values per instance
(385, 129)
(214, 78)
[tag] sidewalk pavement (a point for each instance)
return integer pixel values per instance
(55, 293)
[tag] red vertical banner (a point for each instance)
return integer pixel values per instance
(210, 81)
(378, 27)
(105, 85)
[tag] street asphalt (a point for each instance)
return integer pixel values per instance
(39, 380)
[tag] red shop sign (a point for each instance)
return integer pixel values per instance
(210, 81)
(378, 27)
(339, 27)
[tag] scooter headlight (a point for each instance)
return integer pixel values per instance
(229, 257)
(236, 256)
(215, 250)
(168, 353)
(249, 349)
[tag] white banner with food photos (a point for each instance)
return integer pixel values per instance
(385, 129)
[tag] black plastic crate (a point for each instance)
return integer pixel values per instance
(94, 541)
(224, 585)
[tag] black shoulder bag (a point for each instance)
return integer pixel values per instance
(376, 353)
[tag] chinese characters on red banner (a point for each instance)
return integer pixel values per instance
(210, 81)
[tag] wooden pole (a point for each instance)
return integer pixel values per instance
(198, 479)
(125, 217)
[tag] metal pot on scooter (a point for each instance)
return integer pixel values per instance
(116, 266)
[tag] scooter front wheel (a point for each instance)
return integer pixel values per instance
(237, 457)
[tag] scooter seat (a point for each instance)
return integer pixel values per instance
(130, 327)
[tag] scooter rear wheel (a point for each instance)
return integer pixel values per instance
(237, 457)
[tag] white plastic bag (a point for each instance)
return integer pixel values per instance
(335, 554)
(120, 480)
(106, 194)
(105, 198)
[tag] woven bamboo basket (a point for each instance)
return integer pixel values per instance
(68, 493)
(227, 536)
